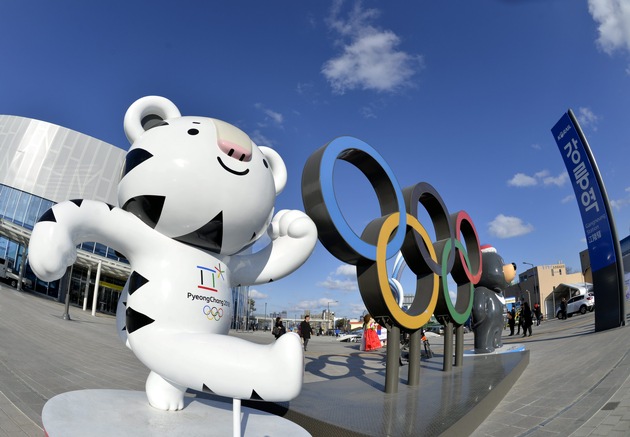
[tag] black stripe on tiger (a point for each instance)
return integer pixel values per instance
(136, 320)
(136, 280)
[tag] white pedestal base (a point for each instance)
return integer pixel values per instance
(101, 413)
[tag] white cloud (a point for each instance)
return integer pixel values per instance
(255, 294)
(338, 284)
(344, 278)
(368, 112)
(522, 180)
(587, 118)
(541, 177)
(357, 309)
(613, 19)
(507, 227)
(314, 305)
(304, 87)
(541, 174)
(370, 58)
(270, 115)
(568, 198)
(346, 270)
(621, 203)
(618, 204)
(559, 180)
(260, 139)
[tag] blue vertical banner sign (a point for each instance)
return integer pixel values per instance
(599, 228)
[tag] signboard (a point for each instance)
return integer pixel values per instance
(593, 206)
(599, 226)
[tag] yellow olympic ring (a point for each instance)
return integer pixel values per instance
(420, 311)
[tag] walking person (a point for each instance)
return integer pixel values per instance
(305, 330)
(526, 315)
(563, 309)
(537, 314)
(366, 322)
(511, 315)
(519, 320)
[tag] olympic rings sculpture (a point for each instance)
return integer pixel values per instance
(213, 313)
(456, 250)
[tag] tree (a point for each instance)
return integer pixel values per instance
(252, 305)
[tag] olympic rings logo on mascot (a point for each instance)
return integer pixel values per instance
(213, 313)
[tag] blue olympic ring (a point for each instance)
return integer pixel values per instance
(339, 236)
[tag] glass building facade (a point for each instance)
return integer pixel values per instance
(42, 164)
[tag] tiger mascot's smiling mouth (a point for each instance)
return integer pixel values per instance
(238, 173)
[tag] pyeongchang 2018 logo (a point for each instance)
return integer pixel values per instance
(209, 277)
(209, 280)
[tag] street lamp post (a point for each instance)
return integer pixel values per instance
(536, 287)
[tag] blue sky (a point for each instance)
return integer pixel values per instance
(459, 94)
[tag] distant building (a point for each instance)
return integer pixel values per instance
(536, 285)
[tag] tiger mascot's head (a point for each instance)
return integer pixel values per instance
(197, 180)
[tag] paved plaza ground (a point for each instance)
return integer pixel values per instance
(577, 381)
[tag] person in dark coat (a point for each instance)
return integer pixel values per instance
(306, 331)
(511, 320)
(526, 315)
(537, 314)
(279, 329)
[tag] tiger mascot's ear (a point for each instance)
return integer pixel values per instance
(147, 112)
(278, 169)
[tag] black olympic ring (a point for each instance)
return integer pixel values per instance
(427, 260)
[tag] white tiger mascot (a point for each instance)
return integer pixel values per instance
(194, 192)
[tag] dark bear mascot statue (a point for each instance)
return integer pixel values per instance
(488, 304)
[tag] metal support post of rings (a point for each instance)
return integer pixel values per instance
(427, 260)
